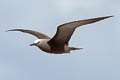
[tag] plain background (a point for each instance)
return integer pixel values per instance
(99, 60)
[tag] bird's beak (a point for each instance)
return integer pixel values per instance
(33, 44)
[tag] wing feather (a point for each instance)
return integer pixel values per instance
(32, 32)
(65, 31)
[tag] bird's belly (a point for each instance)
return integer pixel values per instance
(58, 50)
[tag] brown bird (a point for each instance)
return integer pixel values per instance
(60, 42)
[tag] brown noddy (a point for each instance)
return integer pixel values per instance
(60, 42)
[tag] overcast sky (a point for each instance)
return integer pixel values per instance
(99, 60)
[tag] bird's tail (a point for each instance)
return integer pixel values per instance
(73, 48)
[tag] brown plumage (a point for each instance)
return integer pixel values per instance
(59, 43)
(35, 33)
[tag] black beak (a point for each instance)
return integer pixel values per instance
(32, 44)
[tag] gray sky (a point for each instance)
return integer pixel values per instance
(99, 60)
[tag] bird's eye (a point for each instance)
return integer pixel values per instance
(38, 42)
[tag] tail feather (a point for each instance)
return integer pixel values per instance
(73, 48)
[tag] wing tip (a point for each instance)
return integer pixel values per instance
(13, 30)
(102, 18)
(10, 30)
(108, 16)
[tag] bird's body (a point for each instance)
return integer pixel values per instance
(60, 42)
(44, 46)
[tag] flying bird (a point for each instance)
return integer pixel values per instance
(59, 43)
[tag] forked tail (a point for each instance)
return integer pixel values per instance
(73, 48)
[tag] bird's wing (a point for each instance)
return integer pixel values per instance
(35, 33)
(65, 31)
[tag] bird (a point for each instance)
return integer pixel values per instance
(59, 43)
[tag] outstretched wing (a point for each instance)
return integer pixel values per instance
(35, 33)
(65, 31)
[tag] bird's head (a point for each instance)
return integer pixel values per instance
(36, 42)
